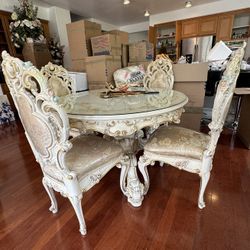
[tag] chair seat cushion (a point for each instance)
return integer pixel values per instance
(90, 152)
(177, 141)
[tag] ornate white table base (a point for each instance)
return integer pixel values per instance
(128, 133)
(123, 119)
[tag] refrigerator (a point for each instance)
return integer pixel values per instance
(196, 49)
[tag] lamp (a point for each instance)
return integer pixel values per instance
(125, 2)
(146, 13)
(188, 4)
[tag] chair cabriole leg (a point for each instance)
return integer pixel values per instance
(203, 184)
(77, 205)
(54, 207)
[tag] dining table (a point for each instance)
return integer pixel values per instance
(125, 117)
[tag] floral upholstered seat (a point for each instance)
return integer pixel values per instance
(179, 141)
(190, 150)
(70, 167)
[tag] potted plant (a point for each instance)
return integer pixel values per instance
(27, 33)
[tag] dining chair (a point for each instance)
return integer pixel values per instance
(70, 167)
(58, 79)
(60, 83)
(159, 74)
(189, 150)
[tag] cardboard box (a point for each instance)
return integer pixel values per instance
(123, 35)
(78, 65)
(186, 72)
(244, 123)
(191, 118)
(79, 34)
(125, 55)
(107, 44)
(144, 63)
(37, 53)
(100, 70)
(190, 79)
(141, 51)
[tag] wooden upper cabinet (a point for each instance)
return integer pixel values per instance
(45, 26)
(224, 28)
(190, 28)
(207, 25)
(152, 35)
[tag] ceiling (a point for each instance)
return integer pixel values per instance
(114, 12)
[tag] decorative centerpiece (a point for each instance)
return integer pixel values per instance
(25, 27)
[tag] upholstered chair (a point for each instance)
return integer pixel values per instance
(160, 77)
(70, 167)
(59, 80)
(159, 74)
(60, 84)
(190, 150)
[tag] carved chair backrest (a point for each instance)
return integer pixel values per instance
(159, 74)
(59, 80)
(45, 123)
(224, 95)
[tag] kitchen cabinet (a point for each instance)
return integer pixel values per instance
(241, 26)
(207, 25)
(199, 26)
(190, 28)
(166, 40)
(5, 42)
(224, 27)
(151, 34)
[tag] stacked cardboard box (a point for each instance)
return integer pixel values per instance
(141, 53)
(107, 51)
(125, 55)
(124, 44)
(100, 70)
(79, 35)
(108, 44)
(37, 53)
(123, 35)
(85, 40)
(190, 79)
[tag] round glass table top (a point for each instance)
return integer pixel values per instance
(91, 103)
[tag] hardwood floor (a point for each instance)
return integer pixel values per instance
(168, 218)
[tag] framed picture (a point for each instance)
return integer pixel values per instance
(6, 113)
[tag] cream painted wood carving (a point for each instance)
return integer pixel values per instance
(159, 75)
(124, 122)
(70, 167)
(60, 83)
(176, 151)
(59, 80)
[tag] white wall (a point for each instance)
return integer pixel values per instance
(137, 27)
(200, 10)
(58, 18)
(105, 26)
(138, 36)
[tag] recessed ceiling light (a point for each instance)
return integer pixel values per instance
(188, 4)
(146, 13)
(125, 2)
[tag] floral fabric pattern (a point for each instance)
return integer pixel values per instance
(178, 141)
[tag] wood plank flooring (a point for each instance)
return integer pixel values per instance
(168, 218)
